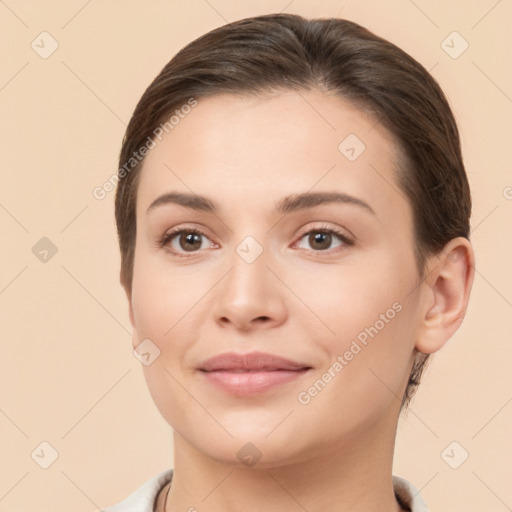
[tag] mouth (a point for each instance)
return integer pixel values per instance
(250, 374)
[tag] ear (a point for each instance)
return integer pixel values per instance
(448, 286)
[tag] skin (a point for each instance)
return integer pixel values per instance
(295, 300)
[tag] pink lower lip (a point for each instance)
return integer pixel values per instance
(251, 382)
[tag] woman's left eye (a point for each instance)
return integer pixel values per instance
(322, 239)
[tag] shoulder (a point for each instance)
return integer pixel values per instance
(408, 495)
(143, 499)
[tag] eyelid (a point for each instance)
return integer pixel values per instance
(341, 231)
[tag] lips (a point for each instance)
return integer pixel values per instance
(255, 361)
(250, 374)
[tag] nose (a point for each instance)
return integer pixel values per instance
(250, 296)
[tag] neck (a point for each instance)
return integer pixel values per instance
(355, 476)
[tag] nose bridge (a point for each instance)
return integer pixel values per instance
(247, 279)
(249, 291)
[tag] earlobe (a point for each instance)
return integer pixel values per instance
(448, 288)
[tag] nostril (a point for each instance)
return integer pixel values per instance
(258, 320)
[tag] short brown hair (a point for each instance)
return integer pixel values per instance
(288, 52)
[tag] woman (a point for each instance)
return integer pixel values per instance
(293, 217)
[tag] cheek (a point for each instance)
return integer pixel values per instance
(162, 297)
(157, 313)
(367, 316)
(166, 304)
(356, 301)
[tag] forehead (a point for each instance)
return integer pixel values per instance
(272, 145)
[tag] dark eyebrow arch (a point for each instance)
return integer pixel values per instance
(192, 201)
(286, 205)
(310, 199)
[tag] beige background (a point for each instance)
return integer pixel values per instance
(68, 376)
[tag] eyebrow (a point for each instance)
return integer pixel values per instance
(286, 205)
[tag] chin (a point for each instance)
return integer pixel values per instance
(253, 454)
(252, 447)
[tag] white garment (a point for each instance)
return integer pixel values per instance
(144, 498)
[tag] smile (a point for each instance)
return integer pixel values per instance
(250, 374)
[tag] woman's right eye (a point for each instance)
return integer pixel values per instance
(188, 240)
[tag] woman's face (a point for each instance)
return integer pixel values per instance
(302, 250)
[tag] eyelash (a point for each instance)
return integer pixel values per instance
(169, 236)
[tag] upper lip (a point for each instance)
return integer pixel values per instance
(251, 361)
